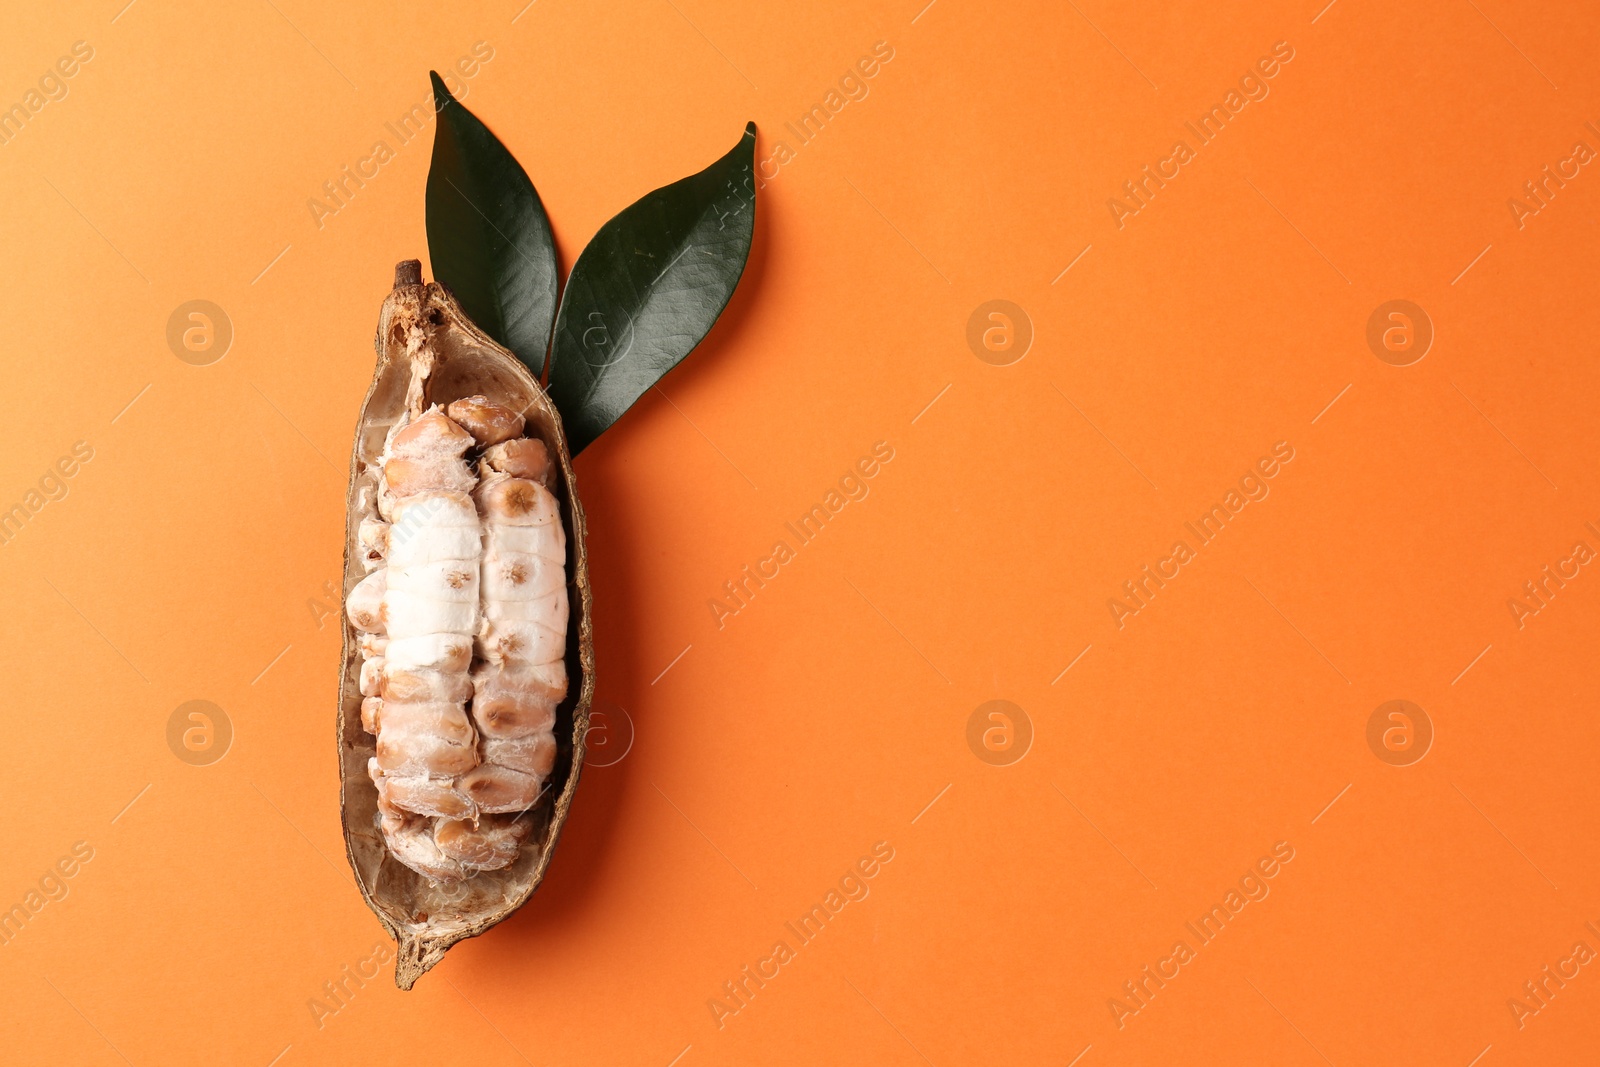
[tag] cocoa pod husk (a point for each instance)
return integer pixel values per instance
(425, 917)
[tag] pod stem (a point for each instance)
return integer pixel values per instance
(408, 272)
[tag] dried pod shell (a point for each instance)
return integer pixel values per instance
(426, 917)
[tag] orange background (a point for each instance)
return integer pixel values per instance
(189, 557)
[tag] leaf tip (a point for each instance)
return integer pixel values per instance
(441, 95)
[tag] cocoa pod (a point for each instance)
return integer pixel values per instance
(431, 355)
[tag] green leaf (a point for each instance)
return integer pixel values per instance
(648, 288)
(488, 236)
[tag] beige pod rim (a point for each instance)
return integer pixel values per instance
(427, 918)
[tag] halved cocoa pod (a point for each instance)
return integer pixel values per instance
(456, 881)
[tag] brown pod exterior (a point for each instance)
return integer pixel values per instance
(427, 918)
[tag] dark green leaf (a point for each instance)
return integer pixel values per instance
(648, 288)
(488, 236)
